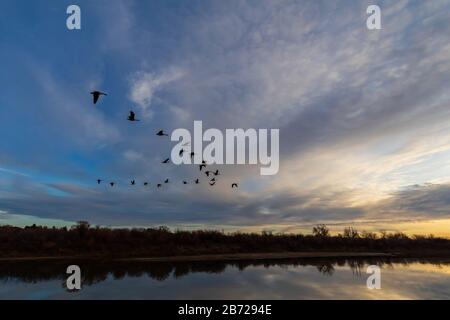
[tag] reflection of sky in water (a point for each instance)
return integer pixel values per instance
(413, 281)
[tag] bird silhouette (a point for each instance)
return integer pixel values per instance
(181, 152)
(184, 182)
(145, 183)
(96, 95)
(234, 185)
(166, 161)
(216, 173)
(203, 165)
(112, 184)
(212, 183)
(99, 181)
(133, 182)
(132, 116)
(213, 180)
(161, 133)
(166, 181)
(159, 185)
(207, 173)
(196, 181)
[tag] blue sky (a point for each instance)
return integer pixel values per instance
(363, 115)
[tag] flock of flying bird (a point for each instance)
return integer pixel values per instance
(210, 174)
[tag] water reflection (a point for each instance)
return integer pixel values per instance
(268, 279)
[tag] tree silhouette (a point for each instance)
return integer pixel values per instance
(321, 230)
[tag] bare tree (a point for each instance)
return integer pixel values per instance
(321, 230)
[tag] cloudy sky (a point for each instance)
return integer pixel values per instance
(364, 116)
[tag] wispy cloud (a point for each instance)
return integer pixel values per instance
(144, 86)
(13, 172)
(362, 115)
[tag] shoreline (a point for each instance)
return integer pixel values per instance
(261, 256)
(212, 257)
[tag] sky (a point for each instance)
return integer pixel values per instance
(364, 115)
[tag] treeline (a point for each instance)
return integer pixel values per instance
(84, 240)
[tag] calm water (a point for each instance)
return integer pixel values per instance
(289, 279)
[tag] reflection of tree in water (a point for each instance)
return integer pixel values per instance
(159, 271)
(98, 271)
(183, 269)
(326, 269)
(356, 267)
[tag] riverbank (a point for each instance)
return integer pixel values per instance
(214, 257)
(161, 244)
(262, 256)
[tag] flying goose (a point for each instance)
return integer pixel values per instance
(161, 133)
(132, 116)
(96, 95)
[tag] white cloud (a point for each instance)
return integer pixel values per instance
(65, 110)
(4, 215)
(144, 86)
(132, 155)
